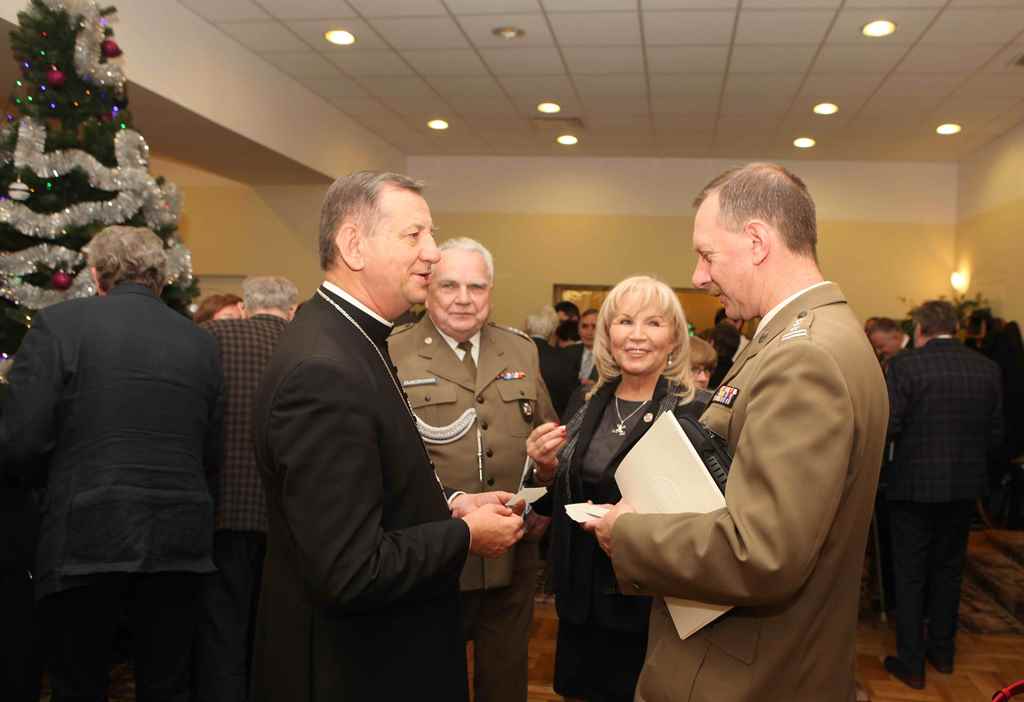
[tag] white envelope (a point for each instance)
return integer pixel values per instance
(584, 511)
(528, 495)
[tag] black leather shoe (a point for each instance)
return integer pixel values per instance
(900, 670)
(943, 665)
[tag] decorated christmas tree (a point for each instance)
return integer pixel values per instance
(71, 164)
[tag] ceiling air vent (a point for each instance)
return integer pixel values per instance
(563, 124)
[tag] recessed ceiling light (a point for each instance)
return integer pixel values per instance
(509, 33)
(437, 124)
(567, 140)
(340, 37)
(826, 108)
(948, 128)
(549, 108)
(804, 142)
(878, 28)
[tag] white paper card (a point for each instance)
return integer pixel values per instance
(584, 511)
(528, 495)
(663, 474)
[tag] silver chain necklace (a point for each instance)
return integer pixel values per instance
(620, 428)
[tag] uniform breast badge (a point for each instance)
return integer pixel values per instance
(511, 375)
(726, 395)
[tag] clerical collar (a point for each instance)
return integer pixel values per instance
(775, 310)
(372, 325)
(347, 297)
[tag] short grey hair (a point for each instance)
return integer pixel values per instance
(463, 243)
(269, 292)
(127, 254)
(355, 196)
(542, 323)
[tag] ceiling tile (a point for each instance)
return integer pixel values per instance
(942, 59)
(304, 64)
(605, 59)
(334, 87)
(523, 61)
(482, 87)
(899, 109)
(263, 36)
(226, 10)
(805, 102)
(976, 26)
(763, 84)
(397, 86)
(1006, 60)
(676, 59)
(480, 29)
(680, 122)
(974, 110)
(921, 84)
(491, 7)
(304, 9)
(419, 109)
(588, 5)
(360, 106)
(985, 3)
(686, 83)
(744, 103)
(782, 26)
(697, 103)
(421, 33)
(613, 103)
(855, 58)
(691, 4)
(370, 62)
(771, 59)
(791, 4)
(995, 85)
(596, 28)
(445, 62)
(697, 27)
(884, 4)
(626, 85)
(399, 8)
(910, 23)
(838, 85)
(312, 32)
(470, 104)
(557, 88)
(618, 120)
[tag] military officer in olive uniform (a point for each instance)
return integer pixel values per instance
(477, 392)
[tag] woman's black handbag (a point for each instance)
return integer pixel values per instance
(710, 447)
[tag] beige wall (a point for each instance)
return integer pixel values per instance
(887, 231)
(990, 231)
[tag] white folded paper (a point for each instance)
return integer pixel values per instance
(584, 511)
(528, 495)
(663, 474)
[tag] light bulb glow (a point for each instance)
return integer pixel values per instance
(878, 28)
(958, 280)
(340, 37)
(438, 124)
(948, 129)
(567, 140)
(826, 108)
(508, 33)
(804, 142)
(549, 108)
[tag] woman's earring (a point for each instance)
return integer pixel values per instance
(669, 360)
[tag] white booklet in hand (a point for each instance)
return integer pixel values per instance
(663, 474)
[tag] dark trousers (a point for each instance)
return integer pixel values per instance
(929, 546)
(21, 666)
(223, 653)
(81, 625)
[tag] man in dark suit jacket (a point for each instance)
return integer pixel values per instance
(223, 643)
(946, 415)
(361, 580)
(556, 367)
(114, 409)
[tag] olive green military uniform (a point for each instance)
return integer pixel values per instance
(804, 409)
(510, 399)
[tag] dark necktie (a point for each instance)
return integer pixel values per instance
(467, 357)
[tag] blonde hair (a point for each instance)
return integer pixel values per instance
(702, 354)
(650, 291)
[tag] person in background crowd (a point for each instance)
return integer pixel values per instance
(725, 339)
(888, 339)
(804, 416)
(567, 334)
(583, 353)
(869, 325)
(224, 638)
(219, 306)
(451, 362)
(642, 352)
(555, 366)
(703, 361)
(946, 415)
(115, 407)
(567, 311)
(721, 317)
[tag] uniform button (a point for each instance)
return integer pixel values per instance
(803, 313)
(483, 425)
(490, 481)
(490, 453)
(426, 398)
(480, 399)
(636, 586)
(764, 338)
(521, 392)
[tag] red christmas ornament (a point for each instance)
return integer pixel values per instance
(55, 77)
(61, 280)
(110, 48)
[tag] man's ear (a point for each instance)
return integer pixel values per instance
(350, 241)
(760, 237)
(96, 281)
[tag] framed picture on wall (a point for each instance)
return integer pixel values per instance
(699, 307)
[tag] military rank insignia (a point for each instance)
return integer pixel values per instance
(511, 375)
(726, 395)
(526, 408)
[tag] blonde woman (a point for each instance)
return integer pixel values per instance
(641, 351)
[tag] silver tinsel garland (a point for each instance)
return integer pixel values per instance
(136, 189)
(24, 262)
(85, 14)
